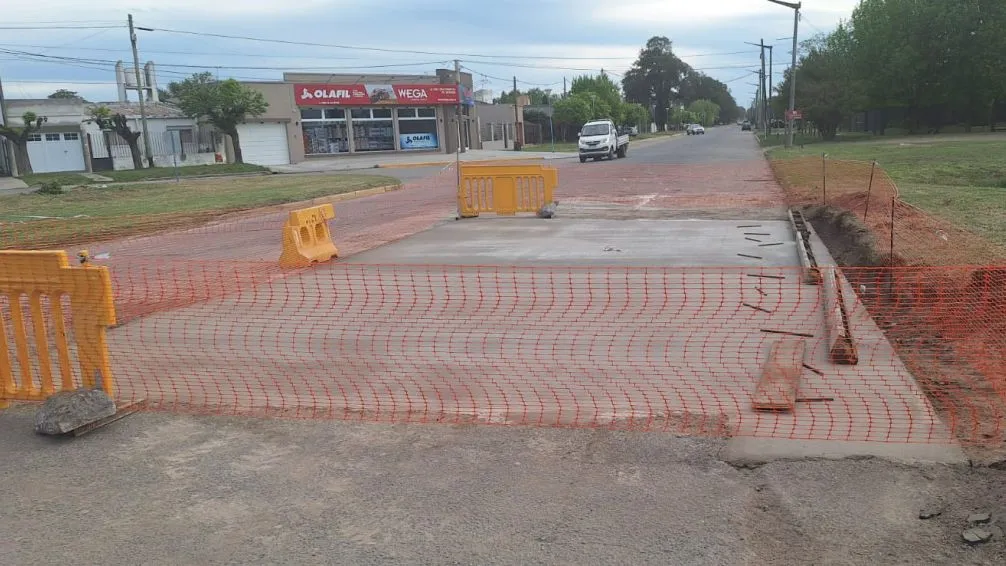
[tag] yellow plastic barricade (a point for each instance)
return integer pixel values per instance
(505, 189)
(45, 282)
(306, 238)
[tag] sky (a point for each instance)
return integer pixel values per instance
(538, 41)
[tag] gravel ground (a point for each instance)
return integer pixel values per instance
(164, 489)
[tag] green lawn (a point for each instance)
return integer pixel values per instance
(133, 175)
(63, 178)
(778, 138)
(961, 180)
(91, 213)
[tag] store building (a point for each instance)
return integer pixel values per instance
(326, 115)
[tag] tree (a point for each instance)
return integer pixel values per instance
(225, 104)
(64, 93)
(697, 86)
(636, 115)
(119, 124)
(828, 88)
(704, 112)
(655, 78)
(570, 113)
(536, 96)
(18, 137)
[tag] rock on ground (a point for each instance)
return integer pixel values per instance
(69, 410)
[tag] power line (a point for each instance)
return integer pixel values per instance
(161, 52)
(391, 50)
(59, 27)
(474, 72)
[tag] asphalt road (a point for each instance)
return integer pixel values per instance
(163, 489)
(719, 144)
(173, 489)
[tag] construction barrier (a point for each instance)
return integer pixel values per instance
(44, 282)
(306, 237)
(505, 189)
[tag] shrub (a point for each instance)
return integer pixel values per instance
(50, 188)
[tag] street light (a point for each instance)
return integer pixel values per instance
(792, 79)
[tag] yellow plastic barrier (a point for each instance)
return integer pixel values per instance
(28, 277)
(306, 238)
(505, 189)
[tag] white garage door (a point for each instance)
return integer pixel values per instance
(264, 144)
(50, 153)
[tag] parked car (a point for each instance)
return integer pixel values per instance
(600, 138)
(746, 126)
(695, 130)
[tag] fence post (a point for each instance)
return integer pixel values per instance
(893, 202)
(824, 179)
(869, 190)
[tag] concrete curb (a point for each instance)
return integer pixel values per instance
(753, 452)
(339, 197)
(464, 162)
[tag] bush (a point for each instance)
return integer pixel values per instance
(50, 188)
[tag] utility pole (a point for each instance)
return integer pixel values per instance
(564, 87)
(8, 145)
(764, 95)
(760, 104)
(139, 90)
(768, 104)
(518, 139)
(457, 84)
(457, 120)
(792, 79)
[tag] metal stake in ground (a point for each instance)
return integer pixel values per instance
(824, 179)
(869, 190)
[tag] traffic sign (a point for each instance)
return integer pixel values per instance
(794, 115)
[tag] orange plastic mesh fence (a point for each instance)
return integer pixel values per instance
(208, 321)
(629, 348)
(903, 233)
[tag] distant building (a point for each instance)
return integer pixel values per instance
(324, 115)
(484, 95)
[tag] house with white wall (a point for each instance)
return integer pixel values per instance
(175, 139)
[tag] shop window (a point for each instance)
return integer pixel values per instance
(407, 112)
(310, 114)
(325, 138)
(418, 130)
(373, 129)
(335, 114)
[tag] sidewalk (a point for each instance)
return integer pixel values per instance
(12, 186)
(392, 161)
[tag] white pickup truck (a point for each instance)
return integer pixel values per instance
(600, 138)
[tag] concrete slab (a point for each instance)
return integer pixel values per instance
(12, 186)
(750, 451)
(581, 241)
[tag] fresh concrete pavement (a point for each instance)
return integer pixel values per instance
(167, 489)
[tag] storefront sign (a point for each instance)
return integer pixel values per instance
(418, 141)
(365, 95)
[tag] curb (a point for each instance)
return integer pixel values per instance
(412, 165)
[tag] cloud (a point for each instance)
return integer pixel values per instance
(599, 37)
(76, 10)
(42, 89)
(645, 13)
